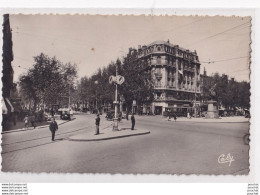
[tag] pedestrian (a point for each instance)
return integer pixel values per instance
(41, 115)
(32, 119)
(97, 124)
(127, 113)
(188, 115)
(119, 116)
(169, 116)
(175, 117)
(53, 128)
(26, 121)
(133, 121)
(52, 112)
(71, 113)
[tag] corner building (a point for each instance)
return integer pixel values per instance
(176, 75)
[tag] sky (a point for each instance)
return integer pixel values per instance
(93, 41)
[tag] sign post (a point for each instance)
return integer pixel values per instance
(117, 80)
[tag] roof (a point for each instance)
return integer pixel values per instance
(161, 42)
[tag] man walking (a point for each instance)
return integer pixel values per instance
(97, 124)
(26, 122)
(32, 119)
(133, 121)
(175, 117)
(127, 113)
(53, 128)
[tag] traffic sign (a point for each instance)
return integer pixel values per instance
(112, 79)
(120, 79)
(116, 79)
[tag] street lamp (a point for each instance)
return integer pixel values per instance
(96, 82)
(115, 124)
(117, 80)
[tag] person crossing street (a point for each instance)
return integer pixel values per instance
(133, 121)
(53, 128)
(97, 124)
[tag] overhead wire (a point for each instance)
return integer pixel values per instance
(222, 32)
(224, 60)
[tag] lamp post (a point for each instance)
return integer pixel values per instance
(115, 120)
(69, 95)
(117, 80)
(96, 82)
(195, 108)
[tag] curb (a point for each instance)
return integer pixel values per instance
(193, 121)
(39, 127)
(108, 138)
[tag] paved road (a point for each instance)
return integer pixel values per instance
(186, 147)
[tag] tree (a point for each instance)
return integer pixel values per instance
(228, 93)
(138, 83)
(48, 81)
(27, 91)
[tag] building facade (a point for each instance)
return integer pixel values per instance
(176, 75)
(7, 78)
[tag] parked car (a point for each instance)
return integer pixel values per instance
(247, 113)
(111, 115)
(65, 114)
(47, 116)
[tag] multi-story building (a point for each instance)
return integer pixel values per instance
(176, 75)
(7, 79)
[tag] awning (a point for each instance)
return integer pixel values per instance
(180, 71)
(4, 108)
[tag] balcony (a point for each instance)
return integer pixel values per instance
(158, 76)
(153, 62)
(160, 87)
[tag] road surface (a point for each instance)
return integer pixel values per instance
(187, 147)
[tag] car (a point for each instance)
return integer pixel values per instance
(47, 117)
(65, 114)
(111, 115)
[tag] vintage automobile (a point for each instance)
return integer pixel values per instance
(65, 114)
(111, 114)
(247, 113)
(47, 116)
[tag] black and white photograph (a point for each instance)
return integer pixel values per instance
(126, 94)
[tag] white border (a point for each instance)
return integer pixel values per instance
(153, 9)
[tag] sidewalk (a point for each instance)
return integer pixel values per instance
(20, 125)
(234, 119)
(108, 133)
(59, 122)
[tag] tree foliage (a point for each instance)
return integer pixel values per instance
(137, 85)
(228, 93)
(48, 81)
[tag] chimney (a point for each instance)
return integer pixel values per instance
(205, 73)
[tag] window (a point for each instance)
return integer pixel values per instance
(158, 70)
(158, 60)
(159, 48)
